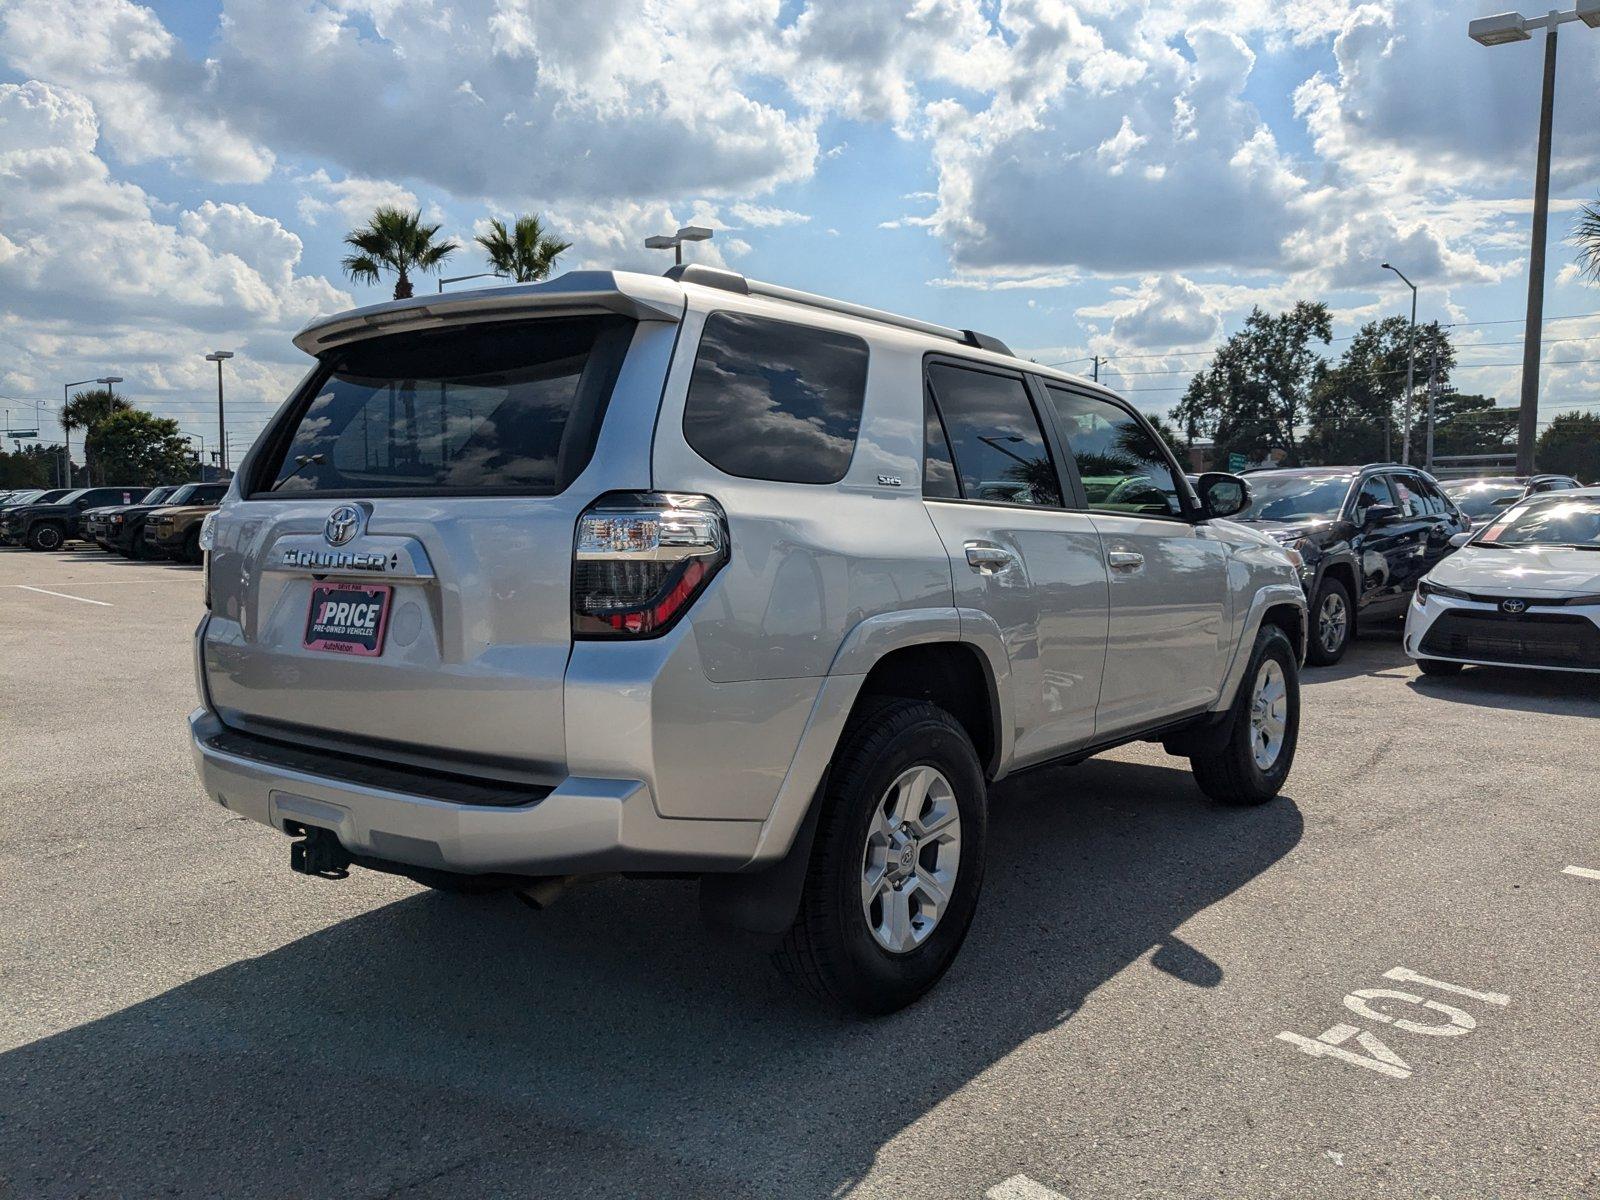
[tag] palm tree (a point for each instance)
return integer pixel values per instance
(86, 410)
(398, 241)
(525, 253)
(1587, 234)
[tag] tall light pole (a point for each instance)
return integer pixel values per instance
(689, 233)
(66, 434)
(1501, 30)
(219, 357)
(477, 275)
(1411, 358)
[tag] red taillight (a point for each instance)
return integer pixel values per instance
(640, 559)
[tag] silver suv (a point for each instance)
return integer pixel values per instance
(698, 575)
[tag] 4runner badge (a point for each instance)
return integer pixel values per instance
(342, 523)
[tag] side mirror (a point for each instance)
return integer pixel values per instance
(1221, 494)
(1379, 514)
(1458, 540)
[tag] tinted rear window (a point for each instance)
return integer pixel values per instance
(775, 400)
(489, 408)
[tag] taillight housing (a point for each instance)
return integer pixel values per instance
(639, 560)
(207, 542)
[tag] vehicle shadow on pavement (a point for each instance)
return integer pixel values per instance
(444, 1046)
(1377, 651)
(1563, 693)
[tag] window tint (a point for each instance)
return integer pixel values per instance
(1000, 453)
(510, 407)
(775, 400)
(938, 468)
(1373, 491)
(1119, 462)
(1433, 500)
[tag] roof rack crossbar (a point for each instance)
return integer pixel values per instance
(732, 281)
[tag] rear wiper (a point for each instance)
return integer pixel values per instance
(302, 461)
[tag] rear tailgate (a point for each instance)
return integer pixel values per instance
(368, 596)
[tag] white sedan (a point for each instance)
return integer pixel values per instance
(1522, 591)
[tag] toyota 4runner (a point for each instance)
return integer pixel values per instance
(701, 576)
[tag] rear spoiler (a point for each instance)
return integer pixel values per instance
(642, 297)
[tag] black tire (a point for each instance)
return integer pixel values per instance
(1435, 666)
(1332, 594)
(830, 951)
(136, 548)
(46, 536)
(191, 547)
(1229, 773)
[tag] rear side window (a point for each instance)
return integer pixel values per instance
(1000, 452)
(511, 407)
(775, 400)
(938, 468)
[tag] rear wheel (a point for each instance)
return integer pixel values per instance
(1434, 666)
(46, 537)
(1331, 624)
(897, 864)
(1250, 765)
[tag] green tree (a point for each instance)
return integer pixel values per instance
(1254, 393)
(1586, 233)
(33, 467)
(1360, 398)
(1570, 445)
(85, 411)
(526, 252)
(1468, 424)
(398, 241)
(133, 447)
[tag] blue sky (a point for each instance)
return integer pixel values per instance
(1125, 179)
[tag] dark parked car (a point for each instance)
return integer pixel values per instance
(173, 530)
(32, 496)
(1485, 499)
(121, 528)
(1367, 535)
(46, 525)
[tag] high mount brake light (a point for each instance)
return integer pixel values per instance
(640, 559)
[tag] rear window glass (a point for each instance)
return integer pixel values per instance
(775, 400)
(507, 407)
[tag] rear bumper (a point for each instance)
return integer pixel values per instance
(581, 826)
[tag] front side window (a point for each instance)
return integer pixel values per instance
(1122, 468)
(511, 407)
(1373, 491)
(775, 400)
(994, 436)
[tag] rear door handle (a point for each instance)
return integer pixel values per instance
(986, 559)
(1124, 560)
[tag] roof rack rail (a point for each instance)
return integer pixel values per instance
(732, 281)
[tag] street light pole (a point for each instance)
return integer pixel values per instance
(219, 357)
(689, 233)
(1501, 30)
(1411, 359)
(66, 434)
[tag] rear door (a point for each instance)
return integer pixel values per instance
(397, 577)
(1170, 623)
(1018, 553)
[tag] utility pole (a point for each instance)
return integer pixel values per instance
(1433, 393)
(1096, 368)
(219, 357)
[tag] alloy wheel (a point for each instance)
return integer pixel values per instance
(1269, 714)
(909, 863)
(1333, 619)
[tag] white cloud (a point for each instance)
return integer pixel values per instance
(1164, 310)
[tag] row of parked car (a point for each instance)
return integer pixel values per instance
(1367, 536)
(135, 522)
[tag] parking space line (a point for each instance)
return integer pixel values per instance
(1020, 1187)
(63, 595)
(1581, 872)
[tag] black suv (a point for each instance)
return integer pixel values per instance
(1367, 534)
(49, 526)
(121, 528)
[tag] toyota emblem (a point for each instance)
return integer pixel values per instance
(1513, 606)
(342, 524)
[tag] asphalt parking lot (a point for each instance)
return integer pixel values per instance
(1159, 997)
